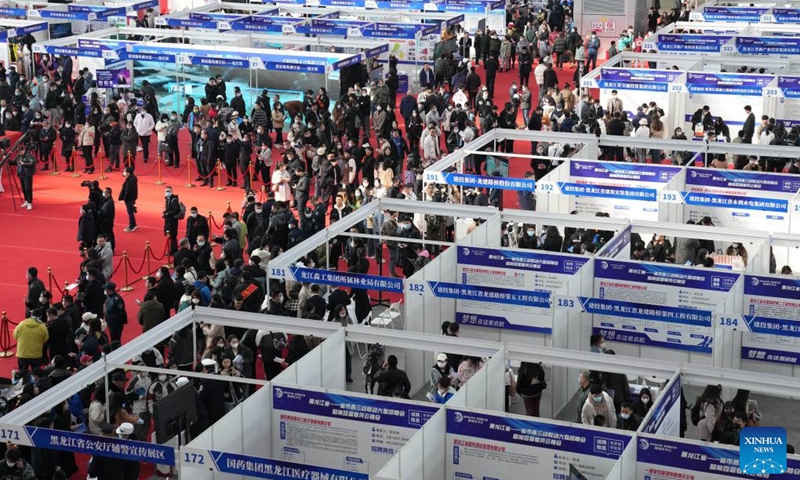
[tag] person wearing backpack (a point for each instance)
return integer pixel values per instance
(174, 210)
(706, 410)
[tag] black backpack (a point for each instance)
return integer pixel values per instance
(375, 353)
(695, 413)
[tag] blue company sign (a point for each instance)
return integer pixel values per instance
(692, 342)
(732, 14)
(147, 57)
(663, 405)
(620, 242)
(362, 409)
(617, 308)
(770, 355)
(596, 443)
(531, 260)
(621, 85)
(727, 83)
(623, 171)
(770, 182)
(773, 326)
(13, 12)
(105, 446)
(607, 191)
(777, 287)
(295, 67)
(345, 279)
(762, 450)
(735, 202)
(665, 275)
(276, 470)
(482, 181)
(490, 294)
(670, 42)
(374, 52)
(768, 45)
(346, 62)
(220, 62)
(74, 52)
(786, 15)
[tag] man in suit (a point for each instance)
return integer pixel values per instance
(614, 103)
(335, 298)
(426, 77)
(749, 126)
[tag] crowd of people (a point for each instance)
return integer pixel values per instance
(313, 163)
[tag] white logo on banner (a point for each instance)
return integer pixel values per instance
(278, 393)
(603, 265)
(459, 418)
(754, 281)
(644, 444)
(466, 251)
(694, 174)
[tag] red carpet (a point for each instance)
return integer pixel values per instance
(45, 236)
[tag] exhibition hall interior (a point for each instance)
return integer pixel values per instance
(400, 240)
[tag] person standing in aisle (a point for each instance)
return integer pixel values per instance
(115, 315)
(129, 194)
(171, 214)
(144, 125)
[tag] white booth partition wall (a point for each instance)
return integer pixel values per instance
(626, 190)
(727, 94)
(786, 250)
(664, 418)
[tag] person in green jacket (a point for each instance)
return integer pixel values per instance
(31, 335)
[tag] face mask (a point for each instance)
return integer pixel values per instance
(530, 233)
(162, 378)
(125, 174)
(221, 345)
(194, 215)
(195, 301)
(645, 400)
(406, 226)
(66, 125)
(358, 194)
(485, 95)
(174, 117)
(441, 364)
(201, 243)
(343, 314)
(597, 398)
(280, 298)
(734, 245)
(235, 345)
(625, 416)
(168, 194)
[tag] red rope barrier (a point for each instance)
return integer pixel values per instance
(163, 255)
(6, 345)
(179, 172)
(211, 219)
(141, 267)
(121, 261)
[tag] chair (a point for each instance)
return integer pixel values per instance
(388, 316)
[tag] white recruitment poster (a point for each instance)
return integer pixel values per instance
(346, 432)
(664, 459)
(491, 447)
(656, 304)
(746, 200)
(772, 313)
(635, 192)
(512, 270)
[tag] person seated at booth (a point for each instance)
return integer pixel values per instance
(444, 391)
(644, 403)
(786, 270)
(627, 420)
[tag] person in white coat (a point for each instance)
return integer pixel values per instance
(430, 145)
(642, 132)
(144, 125)
(598, 403)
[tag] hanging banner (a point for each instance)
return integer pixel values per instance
(768, 45)
(663, 459)
(665, 418)
(732, 14)
(748, 200)
(484, 446)
(340, 279)
(771, 319)
(785, 15)
(669, 42)
(13, 12)
(494, 271)
(147, 57)
(480, 181)
(352, 433)
(258, 467)
(219, 62)
(656, 304)
(727, 83)
(637, 79)
(294, 67)
(619, 246)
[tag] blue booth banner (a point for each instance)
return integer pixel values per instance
(663, 459)
(147, 57)
(481, 181)
(623, 171)
(249, 466)
(400, 5)
(665, 414)
(789, 86)
(786, 15)
(775, 205)
(670, 42)
(639, 75)
(622, 85)
(573, 439)
(294, 67)
(601, 191)
(664, 306)
(521, 260)
(483, 294)
(341, 279)
(772, 316)
(733, 14)
(62, 15)
(727, 83)
(768, 45)
(620, 244)
(97, 445)
(20, 31)
(767, 182)
(13, 12)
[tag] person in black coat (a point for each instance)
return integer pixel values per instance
(336, 297)
(87, 228)
(390, 379)
(212, 393)
(314, 305)
(749, 126)
(230, 159)
(196, 225)
(172, 208)
(491, 65)
(93, 296)
(107, 214)
(129, 194)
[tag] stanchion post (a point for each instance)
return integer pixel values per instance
(229, 208)
(127, 287)
(6, 337)
(75, 173)
(220, 187)
(168, 251)
(189, 183)
(66, 289)
(158, 167)
(129, 160)
(210, 224)
(50, 279)
(102, 153)
(54, 161)
(147, 258)
(251, 170)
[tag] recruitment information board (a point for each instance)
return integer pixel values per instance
(481, 446)
(355, 434)
(758, 201)
(522, 271)
(657, 305)
(772, 316)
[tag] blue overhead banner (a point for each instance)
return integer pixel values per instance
(789, 86)
(294, 67)
(666, 412)
(73, 52)
(147, 57)
(249, 466)
(637, 79)
(772, 316)
(399, 5)
(767, 182)
(341, 279)
(768, 45)
(671, 42)
(219, 62)
(685, 316)
(727, 83)
(733, 14)
(62, 15)
(13, 12)
(623, 171)
(487, 294)
(20, 31)
(620, 244)
(105, 446)
(481, 181)
(738, 202)
(786, 15)
(604, 191)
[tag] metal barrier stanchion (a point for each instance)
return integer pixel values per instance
(147, 258)
(102, 154)
(54, 161)
(50, 279)
(229, 208)
(252, 171)
(189, 183)
(75, 173)
(219, 176)
(6, 346)
(127, 287)
(66, 289)
(158, 163)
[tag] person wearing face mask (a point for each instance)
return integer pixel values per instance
(276, 304)
(644, 403)
(129, 193)
(736, 249)
(196, 225)
(144, 125)
(598, 403)
(627, 420)
(528, 238)
(597, 344)
(172, 210)
(136, 391)
(441, 369)
(725, 430)
(115, 315)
